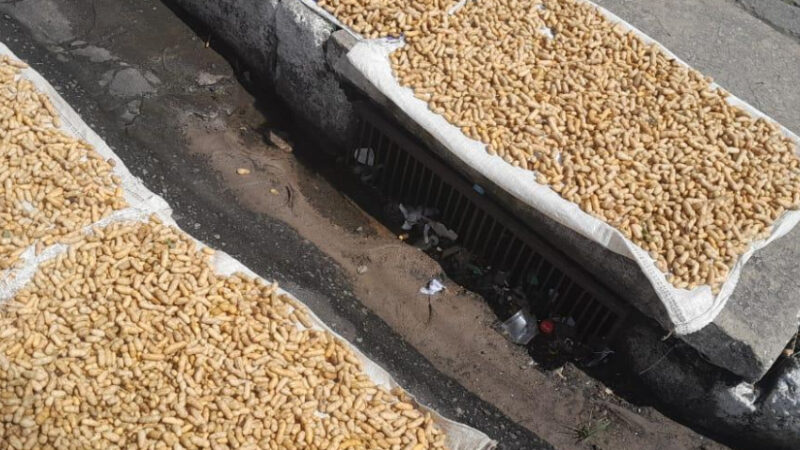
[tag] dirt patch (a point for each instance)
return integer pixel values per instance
(455, 330)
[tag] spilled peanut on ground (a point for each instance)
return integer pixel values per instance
(51, 184)
(128, 339)
(610, 122)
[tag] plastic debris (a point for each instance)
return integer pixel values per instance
(365, 166)
(547, 326)
(365, 156)
(279, 141)
(421, 215)
(440, 229)
(433, 287)
(415, 214)
(429, 240)
(521, 327)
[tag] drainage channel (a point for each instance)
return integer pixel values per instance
(400, 169)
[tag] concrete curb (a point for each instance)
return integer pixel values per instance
(763, 415)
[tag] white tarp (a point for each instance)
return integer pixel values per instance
(143, 203)
(688, 310)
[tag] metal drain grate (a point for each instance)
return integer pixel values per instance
(404, 171)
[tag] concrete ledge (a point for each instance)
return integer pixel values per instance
(765, 415)
(761, 316)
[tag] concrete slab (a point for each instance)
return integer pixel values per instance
(748, 336)
(745, 339)
(763, 415)
(721, 39)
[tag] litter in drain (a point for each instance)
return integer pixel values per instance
(402, 170)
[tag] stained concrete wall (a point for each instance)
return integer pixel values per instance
(286, 44)
(247, 25)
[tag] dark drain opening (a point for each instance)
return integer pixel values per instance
(401, 170)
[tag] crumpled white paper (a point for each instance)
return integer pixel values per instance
(433, 287)
(143, 203)
(688, 310)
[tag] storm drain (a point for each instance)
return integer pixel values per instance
(403, 170)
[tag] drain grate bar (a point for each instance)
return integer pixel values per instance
(404, 171)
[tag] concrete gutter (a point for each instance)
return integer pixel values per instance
(301, 53)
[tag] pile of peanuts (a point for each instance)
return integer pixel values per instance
(609, 122)
(389, 18)
(130, 340)
(51, 184)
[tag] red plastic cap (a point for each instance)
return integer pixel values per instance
(547, 326)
